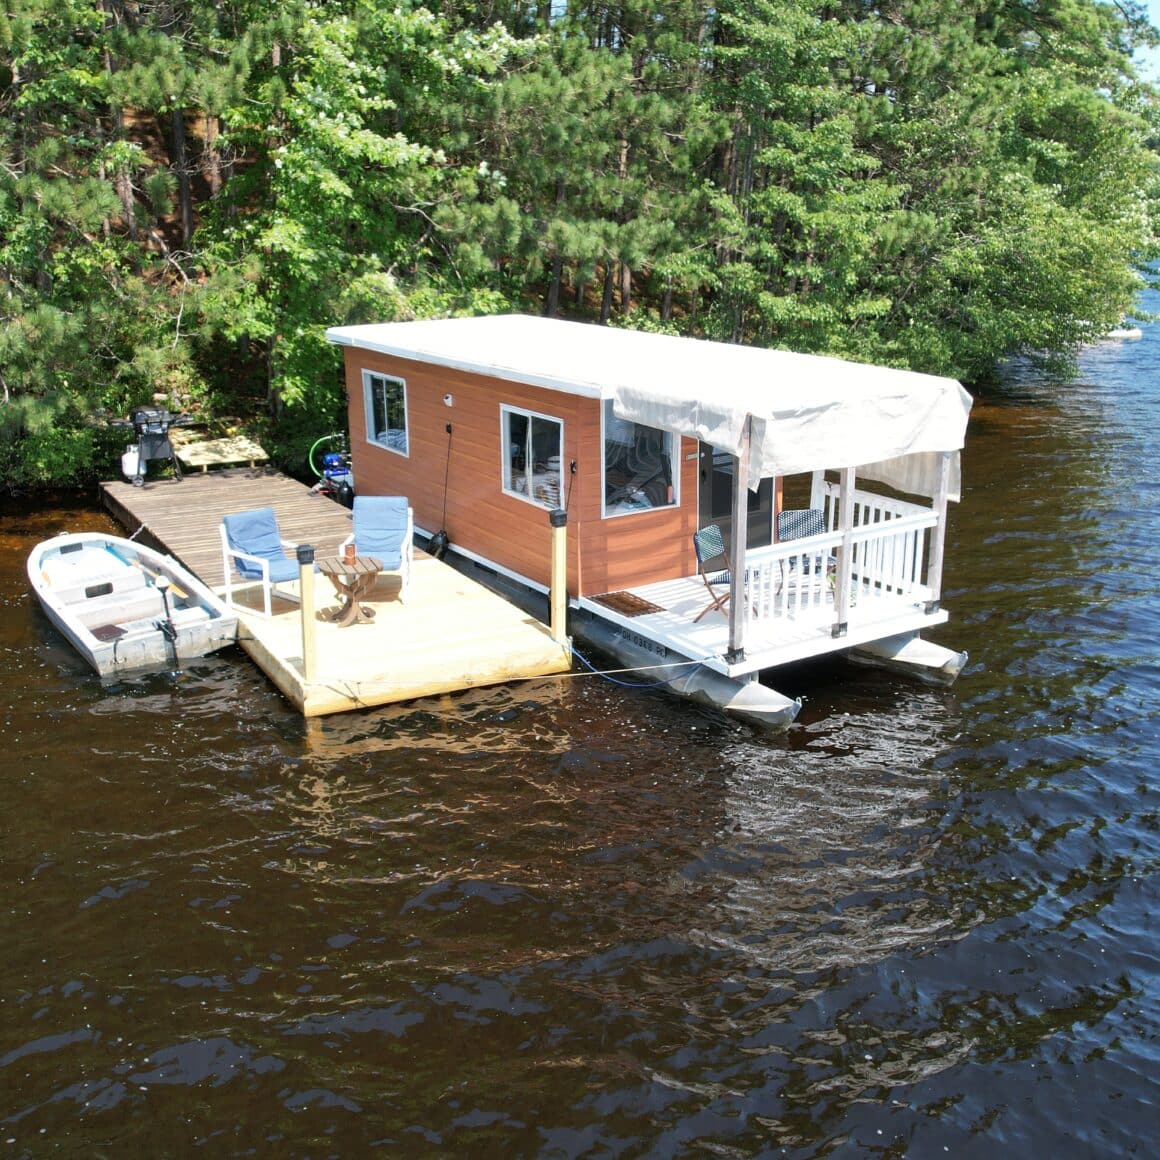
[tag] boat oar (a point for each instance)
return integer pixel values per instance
(156, 577)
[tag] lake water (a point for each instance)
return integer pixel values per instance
(569, 919)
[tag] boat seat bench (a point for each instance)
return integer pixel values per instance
(115, 609)
(69, 582)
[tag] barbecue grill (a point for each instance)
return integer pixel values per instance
(151, 425)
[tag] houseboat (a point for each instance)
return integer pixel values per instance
(824, 484)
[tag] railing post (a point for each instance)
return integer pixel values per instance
(938, 534)
(558, 596)
(306, 588)
(818, 495)
(845, 556)
(738, 608)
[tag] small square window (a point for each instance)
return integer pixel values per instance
(533, 447)
(386, 409)
(639, 472)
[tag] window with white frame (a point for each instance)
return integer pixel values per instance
(533, 445)
(386, 408)
(638, 466)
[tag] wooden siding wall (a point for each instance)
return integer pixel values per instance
(604, 555)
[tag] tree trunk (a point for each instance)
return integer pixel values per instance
(122, 178)
(180, 163)
(609, 285)
(625, 269)
(212, 155)
(553, 303)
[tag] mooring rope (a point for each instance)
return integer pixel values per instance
(607, 673)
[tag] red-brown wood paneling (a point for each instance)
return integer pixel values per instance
(603, 554)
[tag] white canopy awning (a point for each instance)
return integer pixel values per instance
(808, 412)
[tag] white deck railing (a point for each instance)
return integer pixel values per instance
(888, 547)
(887, 560)
(790, 577)
(888, 557)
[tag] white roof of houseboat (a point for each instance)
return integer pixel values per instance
(807, 411)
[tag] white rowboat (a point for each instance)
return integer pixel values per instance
(123, 605)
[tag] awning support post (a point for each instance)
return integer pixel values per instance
(739, 537)
(938, 535)
(845, 554)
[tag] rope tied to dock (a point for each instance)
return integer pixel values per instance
(691, 666)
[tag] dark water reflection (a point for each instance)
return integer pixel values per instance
(568, 919)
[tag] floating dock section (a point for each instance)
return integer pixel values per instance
(449, 634)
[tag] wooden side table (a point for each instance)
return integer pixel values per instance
(353, 581)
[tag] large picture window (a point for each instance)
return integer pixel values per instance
(638, 466)
(533, 447)
(386, 407)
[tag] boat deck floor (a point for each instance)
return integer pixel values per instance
(797, 634)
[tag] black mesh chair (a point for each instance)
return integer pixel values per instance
(797, 524)
(713, 566)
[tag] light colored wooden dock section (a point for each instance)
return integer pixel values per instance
(197, 454)
(450, 634)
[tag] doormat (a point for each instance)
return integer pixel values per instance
(627, 604)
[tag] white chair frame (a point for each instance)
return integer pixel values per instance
(403, 571)
(230, 554)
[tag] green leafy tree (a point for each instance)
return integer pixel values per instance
(810, 198)
(191, 191)
(928, 185)
(87, 321)
(1031, 178)
(346, 212)
(599, 143)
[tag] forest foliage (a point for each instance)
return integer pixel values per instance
(192, 191)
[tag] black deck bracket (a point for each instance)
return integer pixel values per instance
(735, 656)
(931, 606)
(839, 629)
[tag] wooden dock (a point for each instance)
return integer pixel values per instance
(450, 634)
(198, 454)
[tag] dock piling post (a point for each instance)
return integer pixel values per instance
(306, 583)
(558, 597)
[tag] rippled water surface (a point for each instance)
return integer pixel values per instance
(565, 919)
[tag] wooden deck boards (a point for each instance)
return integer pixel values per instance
(450, 634)
(182, 516)
(198, 454)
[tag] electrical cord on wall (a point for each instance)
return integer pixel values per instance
(438, 543)
(571, 482)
